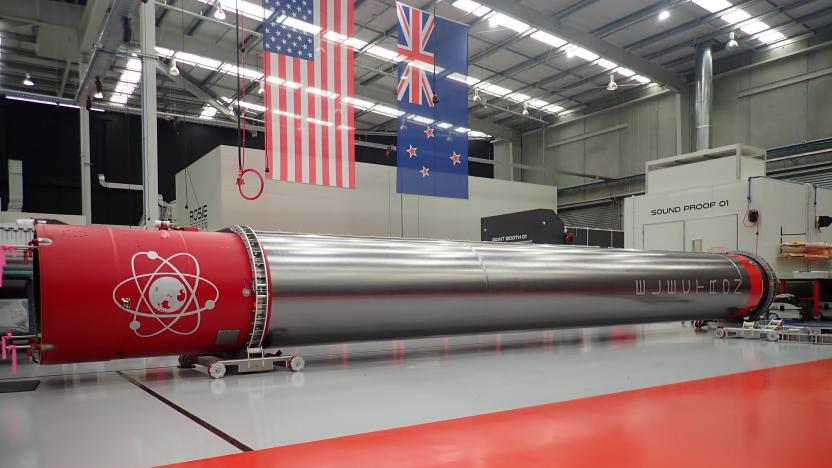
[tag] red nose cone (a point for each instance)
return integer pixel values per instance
(140, 293)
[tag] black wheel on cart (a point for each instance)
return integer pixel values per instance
(187, 361)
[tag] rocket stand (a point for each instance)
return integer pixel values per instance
(216, 367)
(255, 359)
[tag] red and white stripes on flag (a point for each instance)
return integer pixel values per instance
(310, 126)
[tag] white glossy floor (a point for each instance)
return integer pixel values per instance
(89, 415)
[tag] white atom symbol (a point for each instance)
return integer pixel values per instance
(166, 296)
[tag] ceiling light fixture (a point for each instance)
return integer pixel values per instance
(174, 70)
(261, 89)
(477, 97)
(28, 80)
(471, 7)
(612, 86)
(99, 90)
(664, 15)
(219, 13)
(525, 110)
(732, 40)
(500, 19)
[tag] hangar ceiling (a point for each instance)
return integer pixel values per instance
(546, 57)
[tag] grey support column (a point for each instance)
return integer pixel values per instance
(150, 161)
(503, 160)
(86, 180)
(704, 95)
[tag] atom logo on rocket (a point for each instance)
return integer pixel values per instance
(171, 297)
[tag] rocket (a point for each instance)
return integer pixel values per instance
(104, 293)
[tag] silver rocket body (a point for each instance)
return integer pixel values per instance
(327, 289)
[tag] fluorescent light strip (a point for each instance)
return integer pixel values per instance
(553, 109)
(355, 43)
(548, 39)
(518, 97)
(750, 27)
(248, 9)
(625, 72)
(735, 16)
(163, 52)
(770, 37)
(604, 63)
(713, 5)
(295, 23)
(574, 51)
(193, 59)
(538, 103)
(127, 82)
(444, 125)
(493, 89)
(245, 72)
(49, 103)
(253, 107)
(501, 19)
(358, 103)
(386, 110)
(119, 98)
(754, 27)
(208, 113)
(382, 53)
(471, 7)
(334, 36)
(469, 80)
(33, 100)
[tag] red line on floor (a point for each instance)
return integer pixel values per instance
(765, 418)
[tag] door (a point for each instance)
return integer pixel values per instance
(717, 234)
(665, 236)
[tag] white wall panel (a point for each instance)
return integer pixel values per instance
(373, 208)
(785, 115)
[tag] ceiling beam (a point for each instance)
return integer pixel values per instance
(688, 25)
(107, 39)
(572, 9)
(184, 80)
(63, 14)
(207, 48)
(602, 32)
(724, 30)
(610, 28)
(64, 78)
(626, 59)
(94, 15)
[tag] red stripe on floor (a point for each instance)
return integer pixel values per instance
(766, 418)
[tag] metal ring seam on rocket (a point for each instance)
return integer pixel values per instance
(769, 284)
(251, 242)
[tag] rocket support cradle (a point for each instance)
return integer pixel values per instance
(103, 293)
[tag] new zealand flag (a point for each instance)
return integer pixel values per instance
(433, 108)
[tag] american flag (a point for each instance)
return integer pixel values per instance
(309, 84)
